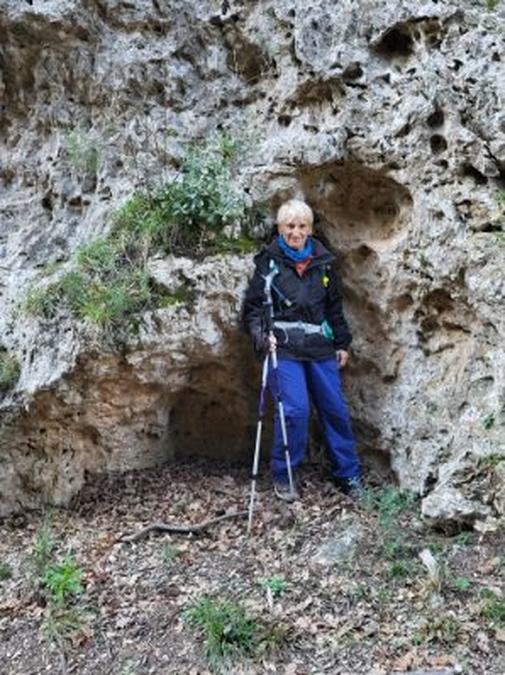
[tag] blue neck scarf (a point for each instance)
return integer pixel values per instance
(293, 253)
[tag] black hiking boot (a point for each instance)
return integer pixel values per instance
(351, 487)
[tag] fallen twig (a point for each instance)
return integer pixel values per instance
(181, 529)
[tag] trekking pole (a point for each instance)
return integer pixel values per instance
(276, 392)
(272, 354)
(282, 419)
(256, 461)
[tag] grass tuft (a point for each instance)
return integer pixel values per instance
(9, 370)
(228, 631)
(42, 549)
(389, 503)
(493, 607)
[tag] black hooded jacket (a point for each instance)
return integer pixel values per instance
(312, 298)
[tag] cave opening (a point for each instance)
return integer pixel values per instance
(362, 214)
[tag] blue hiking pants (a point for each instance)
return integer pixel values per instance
(321, 381)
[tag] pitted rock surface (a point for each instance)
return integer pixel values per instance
(386, 117)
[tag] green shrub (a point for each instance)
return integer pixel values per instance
(395, 548)
(63, 580)
(489, 421)
(443, 628)
(9, 370)
(464, 538)
(42, 301)
(186, 214)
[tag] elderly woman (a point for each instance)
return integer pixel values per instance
(312, 338)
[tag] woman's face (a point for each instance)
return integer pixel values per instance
(295, 232)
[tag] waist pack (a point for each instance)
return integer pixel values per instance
(294, 331)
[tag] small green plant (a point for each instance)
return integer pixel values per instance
(489, 421)
(42, 301)
(169, 554)
(228, 631)
(241, 244)
(462, 584)
(395, 547)
(490, 462)
(463, 538)
(389, 502)
(442, 628)
(63, 580)
(5, 571)
(493, 607)
(9, 370)
(42, 549)
(492, 4)
(384, 595)
(64, 623)
(129, 668)
(401, 569)
(82, 152)
(276, 585)
(418, 639)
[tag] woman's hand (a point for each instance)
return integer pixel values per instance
(264, 343)
(342, 357)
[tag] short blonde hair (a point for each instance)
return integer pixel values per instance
(295, 207)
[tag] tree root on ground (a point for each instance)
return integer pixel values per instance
(181, 529)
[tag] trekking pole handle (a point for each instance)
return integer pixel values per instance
(269, 305)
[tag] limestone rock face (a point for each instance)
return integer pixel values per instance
(385, 116)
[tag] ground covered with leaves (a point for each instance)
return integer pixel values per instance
(320, 586)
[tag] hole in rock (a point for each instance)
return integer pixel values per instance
(436, 119)
(472, 172)
(397, 41)
(403, 302)
(47, 203)
(352, 72)
(284, 120)
(363, 206)
(438, 143)
(246, 59)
